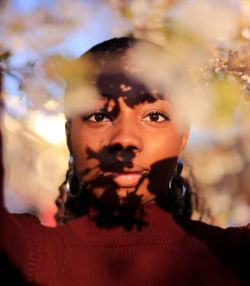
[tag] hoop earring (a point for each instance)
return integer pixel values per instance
(73, 184)
(178, 180)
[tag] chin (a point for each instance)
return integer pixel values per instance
(129, 197)
(120, 197)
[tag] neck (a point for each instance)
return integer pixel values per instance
(112, 216)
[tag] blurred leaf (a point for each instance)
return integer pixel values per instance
(226, 100)
(246, 94)
(127, 14)
(75, 72)
(17, 26)
(5, 56)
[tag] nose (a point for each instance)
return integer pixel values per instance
(126, 137)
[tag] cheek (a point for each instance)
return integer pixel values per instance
(83, 146)
(163, 145)
(162, 154)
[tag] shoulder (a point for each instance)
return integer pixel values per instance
(42, 236)
(33, 230)
(231, 246)
(27, 219)
(231, 239)
(32, 224)
(29, 224)
(206, 231)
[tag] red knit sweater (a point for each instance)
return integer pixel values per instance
(162, 253)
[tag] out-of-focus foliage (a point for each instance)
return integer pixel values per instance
(205, 69)
(208, 40)
(80, 94)
(35, 148)
(34, 36)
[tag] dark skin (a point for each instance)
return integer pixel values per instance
(125, 150)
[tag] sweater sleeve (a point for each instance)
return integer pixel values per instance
(16, 240)
(237, 242)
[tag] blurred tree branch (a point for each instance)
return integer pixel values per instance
(3, 4)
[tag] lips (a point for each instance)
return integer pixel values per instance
(125, 176)
(127, 179)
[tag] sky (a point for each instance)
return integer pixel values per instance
(73, 45)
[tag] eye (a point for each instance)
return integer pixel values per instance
(156, 116)
(97, 117)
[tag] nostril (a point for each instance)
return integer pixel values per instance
(118, 148)
(115, 148)
(132, 148)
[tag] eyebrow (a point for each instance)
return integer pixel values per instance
(103, 98)
(144, 96)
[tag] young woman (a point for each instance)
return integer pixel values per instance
(124, 209)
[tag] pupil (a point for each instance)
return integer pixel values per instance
(154, 117)
(99, 117)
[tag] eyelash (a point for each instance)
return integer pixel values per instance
(100, 112)
(163, 114)
(104, 113)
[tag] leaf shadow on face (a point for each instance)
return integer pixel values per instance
(108, 210)
(113, 86)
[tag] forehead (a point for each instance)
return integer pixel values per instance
(116, 83)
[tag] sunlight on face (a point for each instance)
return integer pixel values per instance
(125, 149)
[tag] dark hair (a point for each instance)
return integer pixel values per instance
(112, 47)
(75, 204)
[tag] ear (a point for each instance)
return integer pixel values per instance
(67, 132)
(184, 139)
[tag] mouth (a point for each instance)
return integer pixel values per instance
(126, 179)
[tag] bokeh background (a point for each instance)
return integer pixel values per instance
(209, 42)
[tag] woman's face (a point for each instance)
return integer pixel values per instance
(125, 150)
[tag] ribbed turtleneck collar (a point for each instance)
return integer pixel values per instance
(149, 224)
